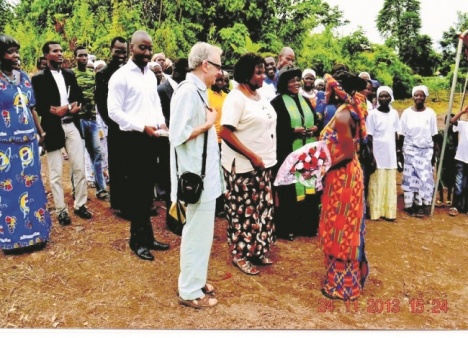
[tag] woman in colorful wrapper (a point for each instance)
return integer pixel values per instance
(297, 210)
(24, 220)
(342, 227)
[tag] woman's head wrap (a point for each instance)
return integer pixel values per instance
(422, 88)
(386, 89)
(365, 73)
(308, 71)
(319, 81)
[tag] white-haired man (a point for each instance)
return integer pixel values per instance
(190, 120)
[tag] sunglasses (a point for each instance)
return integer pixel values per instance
(214, 64)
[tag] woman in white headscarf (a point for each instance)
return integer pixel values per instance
(418, 128)
(383, 125)
(308, 84)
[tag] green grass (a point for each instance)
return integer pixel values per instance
(440, 107)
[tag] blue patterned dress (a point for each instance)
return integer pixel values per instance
(24, 219)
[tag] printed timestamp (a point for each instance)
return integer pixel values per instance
(393, 305)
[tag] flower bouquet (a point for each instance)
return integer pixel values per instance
(306, 165)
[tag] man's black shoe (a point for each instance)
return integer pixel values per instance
(83, 212)
(410, 211)
(143, 253)
(63, 218)
(103, 195)
(159, 246)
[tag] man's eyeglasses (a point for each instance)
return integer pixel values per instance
(214, 64)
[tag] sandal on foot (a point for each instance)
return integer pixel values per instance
(199, 303)
(266, 260)
(448, 203)
(439, 204)
(453, 212)
(208, 289)
(245, 266)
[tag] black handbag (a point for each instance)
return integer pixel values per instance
(190, 185)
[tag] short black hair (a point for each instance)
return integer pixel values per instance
(39, 59)
(245, 67)
(7, 41)
(119, 39)
(77, 48)
(180, 65)
(46, 47)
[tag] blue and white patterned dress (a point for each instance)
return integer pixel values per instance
(24, 219)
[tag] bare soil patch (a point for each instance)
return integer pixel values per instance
(87, 277)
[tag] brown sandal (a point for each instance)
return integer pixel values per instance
(208, 289)
(453, 212)
(245, 266)
(199, 303)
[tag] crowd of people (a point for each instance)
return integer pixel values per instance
(135, 124)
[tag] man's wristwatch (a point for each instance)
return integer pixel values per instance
(69, 107)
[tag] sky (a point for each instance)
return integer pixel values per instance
(436, 16)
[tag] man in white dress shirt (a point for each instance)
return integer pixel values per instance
(134, 104)
(190, 119)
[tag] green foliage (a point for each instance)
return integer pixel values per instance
(449, 44)
(6, 13)
(399, 20)
(400, 23)
(246, 46)
(319, 52)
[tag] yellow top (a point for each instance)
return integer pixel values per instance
(216, 101)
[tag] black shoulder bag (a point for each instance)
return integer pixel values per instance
(190, 185)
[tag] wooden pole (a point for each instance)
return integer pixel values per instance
(447, 118)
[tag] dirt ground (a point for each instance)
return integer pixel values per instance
(87, 277)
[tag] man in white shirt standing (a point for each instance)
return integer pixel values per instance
(190, 119)
(134, 104)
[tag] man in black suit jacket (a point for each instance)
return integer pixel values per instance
(58, 99)
(165, 91)
(118, 188)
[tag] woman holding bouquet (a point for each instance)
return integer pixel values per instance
(297, 208)
(342, 228)
(248, 154)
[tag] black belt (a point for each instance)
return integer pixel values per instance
(91, 118)
(67, 120)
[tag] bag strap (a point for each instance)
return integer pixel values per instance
(205, 144)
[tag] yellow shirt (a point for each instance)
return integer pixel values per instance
(216, 101)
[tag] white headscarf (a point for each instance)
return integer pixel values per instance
(365, 73)
(422, 88)
(319, 81)
(385, 89)
(308, 71)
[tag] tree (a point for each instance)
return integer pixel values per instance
(449, 44)
(174, 25)
(420, 56)
(6, 13)
(399, 22)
